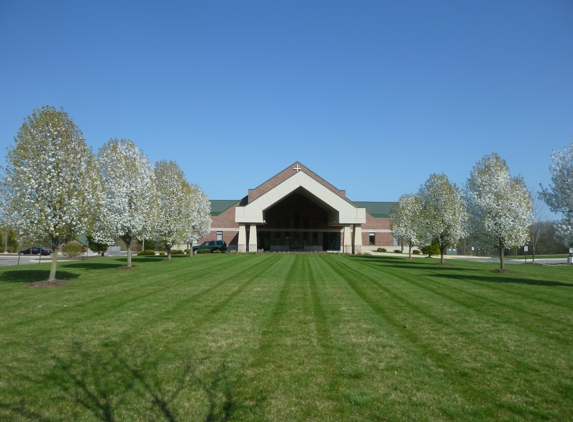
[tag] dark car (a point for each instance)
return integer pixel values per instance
(212, 245)
(36, 251)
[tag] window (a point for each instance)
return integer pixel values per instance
(372, 238)
(296, 221)
(287, 239)
(277, 238)
(315, 238)
(305, 238)
(395, 242)
(305, 223)
(296, 238)
(219, 235)
(287, 223)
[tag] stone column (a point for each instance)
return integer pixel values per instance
(357, 238)
(347, 239)
(253, 238)
(242, 245)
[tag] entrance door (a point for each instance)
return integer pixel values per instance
(331, 241)
(264, 240)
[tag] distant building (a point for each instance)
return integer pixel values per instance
(297, 210)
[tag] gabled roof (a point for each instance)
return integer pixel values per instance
(287, 173)
(340, 210)
(376, 209)
(221, 205)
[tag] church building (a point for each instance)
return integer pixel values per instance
(297, 210)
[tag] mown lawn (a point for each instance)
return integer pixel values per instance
(287, 337)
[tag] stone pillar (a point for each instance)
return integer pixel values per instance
(242, 245)
(357, 238)
(253, 238)
(347, 239)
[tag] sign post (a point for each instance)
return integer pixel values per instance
(525, 249)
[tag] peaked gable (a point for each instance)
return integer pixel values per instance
(340, 210)
(284, 175)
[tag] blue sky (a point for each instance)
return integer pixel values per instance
(374, 96)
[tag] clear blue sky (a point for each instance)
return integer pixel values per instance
(374, 96)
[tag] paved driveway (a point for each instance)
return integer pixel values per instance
(7, 260)
(12, 259)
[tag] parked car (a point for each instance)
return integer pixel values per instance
(36, 251)
(212, 245)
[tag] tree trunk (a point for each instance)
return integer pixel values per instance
(127, 241)
(533, 253)
(501, 258)
(409, 250)
(168, 252)
(54, 264)
(442, 250)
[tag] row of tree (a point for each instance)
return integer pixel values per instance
(55, 188)
(493, 211)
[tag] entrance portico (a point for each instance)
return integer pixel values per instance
(299, 213)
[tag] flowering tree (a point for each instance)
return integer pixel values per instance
(51, 185)
(129, 208)
(499, 205)
(174, 204)
(559, 196)
(404, 216)
(200, 215)
(443, 216)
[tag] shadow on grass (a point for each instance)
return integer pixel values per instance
(502, 279)
(95, 265)
(29, 276)
(404, 262)
(111, 387)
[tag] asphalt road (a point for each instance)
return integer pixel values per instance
(12, 259)
(7, 260)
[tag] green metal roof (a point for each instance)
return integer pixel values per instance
(220, 205)
(376, 209)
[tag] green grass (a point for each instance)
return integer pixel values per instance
(287, 337)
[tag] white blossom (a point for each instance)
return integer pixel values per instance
(200, 215)
(443, 216)
(130, 200)
(559, 196)
(499, 206)
(51, 184)
(173, 194)
(404, 216)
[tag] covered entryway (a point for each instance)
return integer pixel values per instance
(300, 214)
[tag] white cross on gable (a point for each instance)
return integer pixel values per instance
(297, 168)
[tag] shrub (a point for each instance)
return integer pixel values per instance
(430, 250)
(203, 251)
(397, 251)
(176, 252)
(162, 253)
(146, 252)
(217, 251)
(381, 250)
(416, 252)
(72, 249)
(186, 251)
